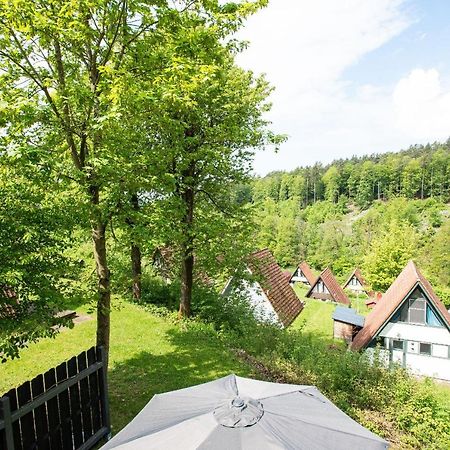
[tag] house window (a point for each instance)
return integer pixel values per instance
(425, 349)
(320, 287)
(397, 345)
(416, 310)
(440, 351)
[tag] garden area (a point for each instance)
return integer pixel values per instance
(153, 352)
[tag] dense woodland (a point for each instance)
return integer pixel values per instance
(417, 173)
(376, 212)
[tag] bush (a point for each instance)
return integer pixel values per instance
(389, 402)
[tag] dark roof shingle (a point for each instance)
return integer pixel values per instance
(275, 285)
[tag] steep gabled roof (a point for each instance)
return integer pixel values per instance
(275, 285)
(306, 270)
(356, 273)
(335, 290)
(391, 301)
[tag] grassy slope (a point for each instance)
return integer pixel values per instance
(316, 317)
(149, 354)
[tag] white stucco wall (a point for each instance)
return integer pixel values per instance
(299, 278)
(419, 333)
(262, 308)
(358, 287)
(423, 365)
(436, 365)
(429, 366)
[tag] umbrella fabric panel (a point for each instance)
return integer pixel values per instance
(298, 435)
(261, 389)
(311, 407)
(186, 435)
(171, 408)
(250, 438)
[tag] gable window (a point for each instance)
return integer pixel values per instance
(416, 310)
(320, 287)
(417, 307)
(425, 349)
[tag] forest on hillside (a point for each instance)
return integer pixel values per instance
(422, 171)
(375, 212)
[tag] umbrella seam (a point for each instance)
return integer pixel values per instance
(301, 391)
(328, 428)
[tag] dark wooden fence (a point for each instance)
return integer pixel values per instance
(64, 409)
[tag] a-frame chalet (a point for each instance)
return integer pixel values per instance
(303, 274)
(270, 295)
(411, 325)
(356, 282)
(326, 287)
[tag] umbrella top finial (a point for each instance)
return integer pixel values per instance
(238, 402)
(239, 412)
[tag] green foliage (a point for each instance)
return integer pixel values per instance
(419, 172)
(389, 402)
(35, 273)
(389, 253)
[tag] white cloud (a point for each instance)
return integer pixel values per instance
(305, 47)
(422, 107)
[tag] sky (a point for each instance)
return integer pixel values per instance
(351, 77)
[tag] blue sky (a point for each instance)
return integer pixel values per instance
(351, 76)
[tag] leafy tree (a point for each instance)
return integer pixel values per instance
(61, 62)
(212, 120)
(364, 194)
(34, 234)
(388, 254)
(411, 178)
(331, 181)
(435, 259)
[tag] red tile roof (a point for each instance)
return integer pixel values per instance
(392, 299)
(306, 270)
(287, 275)
(336, 292)
(356, 273)
(275, 285)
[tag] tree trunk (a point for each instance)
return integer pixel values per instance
(136, 268)
(187, 256)
(187, 270)
(136, 257)
(104, 290)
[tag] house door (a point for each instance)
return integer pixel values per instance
(398, 351)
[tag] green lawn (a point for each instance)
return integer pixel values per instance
(316, 317)
(149, 354)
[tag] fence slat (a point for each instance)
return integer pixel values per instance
(95, 397)
(104, 403)
(40, 415)
(6, 433)
(75, 404)
(64, 409)
(13, 404)
(27, 421)
(53, 412)
(85, 398)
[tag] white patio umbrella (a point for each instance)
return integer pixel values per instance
(240, 413)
